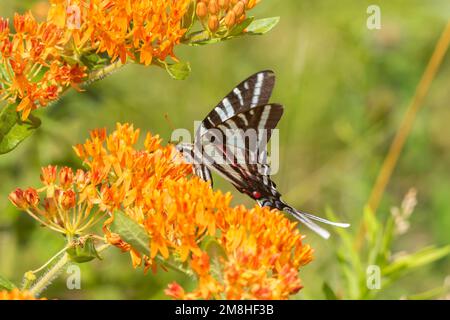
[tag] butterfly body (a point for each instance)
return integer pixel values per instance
(232, 140)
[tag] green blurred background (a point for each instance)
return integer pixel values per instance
(345, 89)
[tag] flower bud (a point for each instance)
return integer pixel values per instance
(31, 197)
(68, 199)
(201, 10)
(223, 4)
(213, 23)
(48, 175)
(241, 19)
(213, 7)
(250, 4)
(50, 207)
(18, 199)
(81, 179)
(239, 8)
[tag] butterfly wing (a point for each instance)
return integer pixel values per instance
(237, 148)
(253, 91)
(250, 173)
(191, 155)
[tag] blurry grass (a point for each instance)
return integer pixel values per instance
(344, 88)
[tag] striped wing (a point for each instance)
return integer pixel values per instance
(253, 91)
(250, 173)
(237, 148)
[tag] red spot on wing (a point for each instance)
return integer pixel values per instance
(256, 194)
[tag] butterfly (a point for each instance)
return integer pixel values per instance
(232, 140)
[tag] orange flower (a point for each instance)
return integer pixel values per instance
(262, 249)
(35, 71)
(262, 253)
(66, 207)
(36, 57)
(16, 294)
(235, 252)
(123, 28)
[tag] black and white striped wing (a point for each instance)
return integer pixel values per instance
(192, 155)
(237, 148)
(253, 91)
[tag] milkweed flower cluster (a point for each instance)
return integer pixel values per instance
(234, 252)
(66, 204)
(261, 253)
(16, 294)
(33, 71)
(139, 30)
(83, 41)
(41, 59)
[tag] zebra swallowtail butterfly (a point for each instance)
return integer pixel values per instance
(245, 109)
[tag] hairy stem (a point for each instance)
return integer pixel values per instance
(104, 72)
(55, 270)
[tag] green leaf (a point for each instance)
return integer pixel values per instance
(371, 224)
(388, 236)
(373, 235)
(12, 130)
(200, 38)
(94, 61)
(329, 293)
(6, 284)
(239, 28)
(131, 232)
(83, 252)
(262, 26)
(178, 71)
(251, 26)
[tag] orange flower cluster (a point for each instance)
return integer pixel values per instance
(16, 294)
(262, 249)
(262, 253)
(139, 30)
(68, 206)
(256, 252)
(214, 13)
(33, 72)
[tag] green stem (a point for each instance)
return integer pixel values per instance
(50, 275)
(54, 272)
(104, 72)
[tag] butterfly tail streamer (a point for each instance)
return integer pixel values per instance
(332, 223)
(307, 218)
